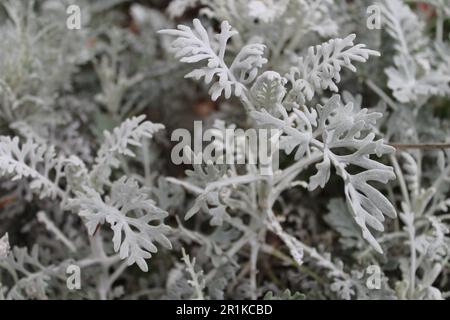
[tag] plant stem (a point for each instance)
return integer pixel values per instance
(420, 145)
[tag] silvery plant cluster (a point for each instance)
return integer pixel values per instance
(224, 149)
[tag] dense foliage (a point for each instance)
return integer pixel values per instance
(358, 91)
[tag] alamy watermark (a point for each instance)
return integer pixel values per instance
(259, 147)
(73, 21)
(373, 281)
(373, 21)
(73, 281)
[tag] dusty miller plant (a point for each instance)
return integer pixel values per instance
(362, 186)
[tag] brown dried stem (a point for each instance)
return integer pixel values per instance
(420, 145)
